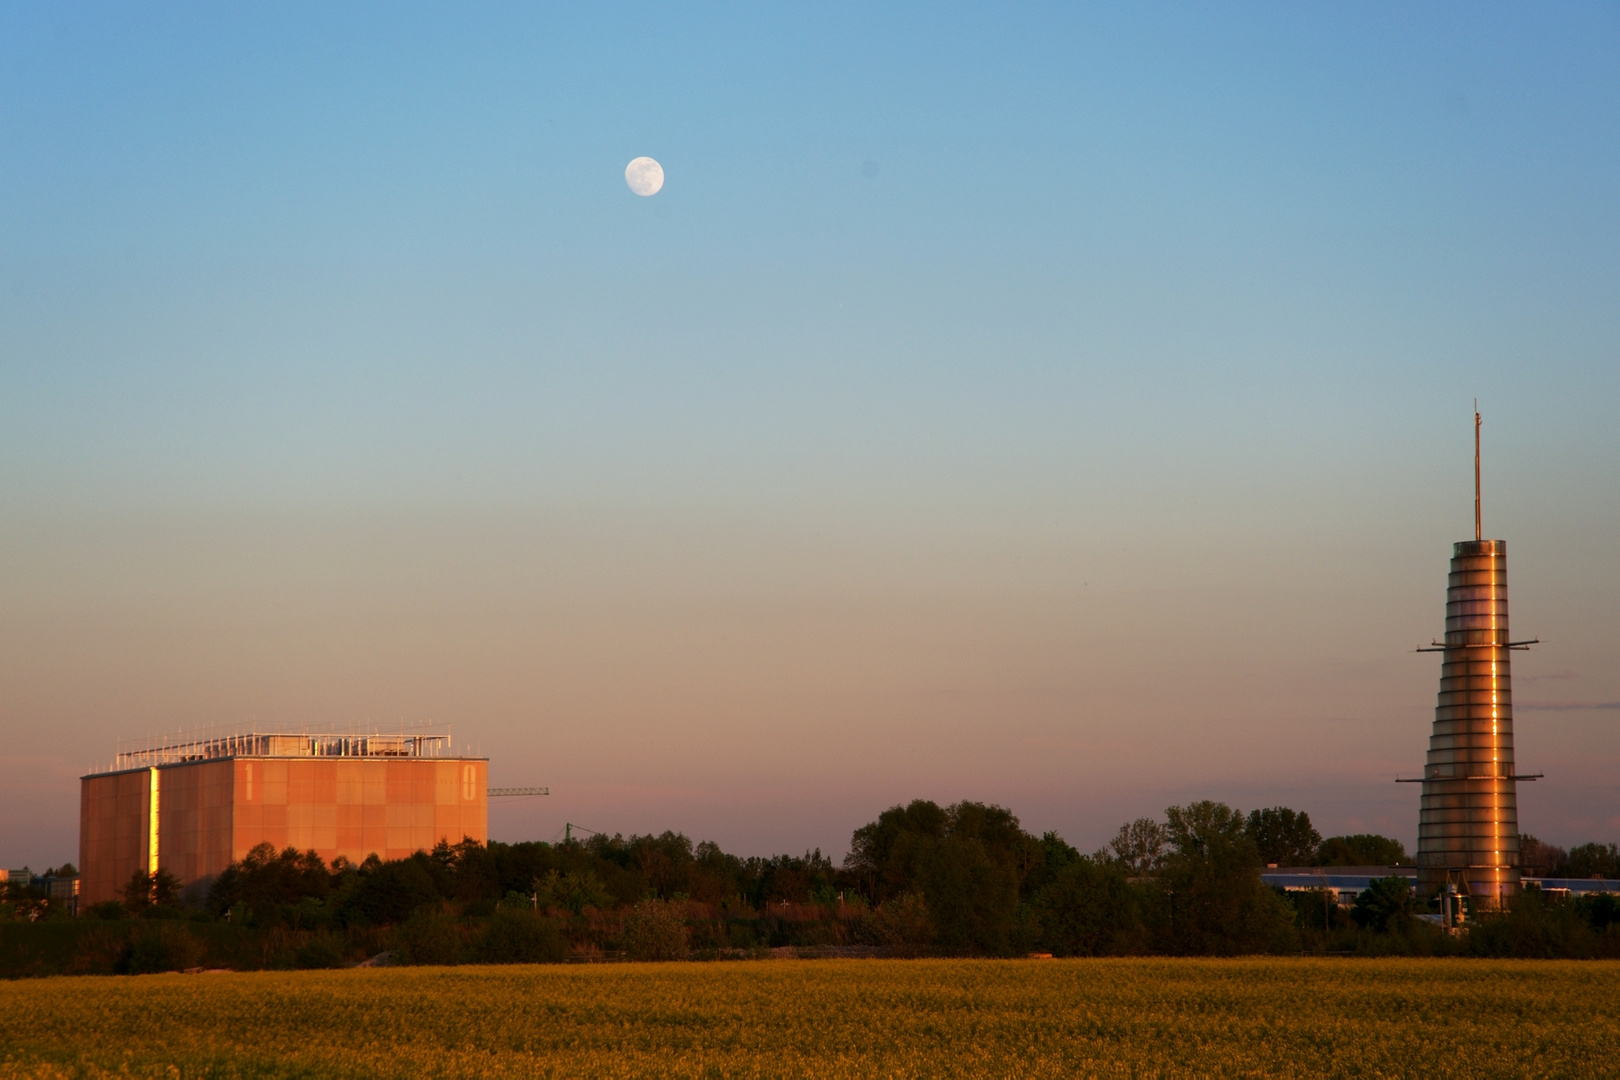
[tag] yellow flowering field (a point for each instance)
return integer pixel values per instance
(892, 1018)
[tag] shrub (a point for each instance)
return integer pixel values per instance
(902, 926)
(516, 936)
(1533, 926)
(656, 930)
(161, 947)
(322, 950)
(428, 937)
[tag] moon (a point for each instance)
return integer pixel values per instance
(644, 175)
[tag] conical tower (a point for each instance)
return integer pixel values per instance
(1468, 827)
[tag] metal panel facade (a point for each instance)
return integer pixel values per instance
(113, 832)
(1468, 827)
(194, 819)
(211, 813)
(354, 807)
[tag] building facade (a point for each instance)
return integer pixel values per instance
(192, 808)
(1468, 825)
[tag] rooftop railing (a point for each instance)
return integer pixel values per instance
(422, 741)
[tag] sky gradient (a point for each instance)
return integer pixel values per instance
(1069, 409)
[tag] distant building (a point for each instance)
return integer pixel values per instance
(1344, 882)
(194, 806)
(59, 888)
(1348, 882)
(1468, 825)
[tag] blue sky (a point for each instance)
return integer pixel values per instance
(1061, 406)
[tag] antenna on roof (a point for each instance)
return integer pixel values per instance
(1479, 532)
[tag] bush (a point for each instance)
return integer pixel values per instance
(161, 947)
(516, 936)
(1536, 926)
(902, 926)
(322, 950)
(656, 930)
(428, 937)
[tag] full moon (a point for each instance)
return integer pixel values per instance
(644, 175)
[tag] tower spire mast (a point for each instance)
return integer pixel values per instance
(1479, 532)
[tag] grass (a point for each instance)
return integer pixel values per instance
(830, 1017)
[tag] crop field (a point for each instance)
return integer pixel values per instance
(831, 1018)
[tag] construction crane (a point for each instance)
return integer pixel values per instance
(507, 792)
(569, 829)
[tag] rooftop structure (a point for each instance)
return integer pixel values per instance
(213, 745)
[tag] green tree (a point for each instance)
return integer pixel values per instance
(1284, 837)
(517, 936)
(1540, 859)
(1213, 901)
(1053, 855)
(388, 892)
(464, 871)
(885, 855)
(1593, 860)
(1362, 849)
(574, 891)
(266, 881)
(1386, 905)
(972, 897)
(1089, 909)
(969, 861)
(144, 891)
(1139, 846)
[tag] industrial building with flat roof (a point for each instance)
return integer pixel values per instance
(193, 806)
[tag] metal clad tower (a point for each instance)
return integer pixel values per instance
(1468, 826)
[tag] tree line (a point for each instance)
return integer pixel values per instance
(962, 879)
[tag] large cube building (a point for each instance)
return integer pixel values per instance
(194, 806)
